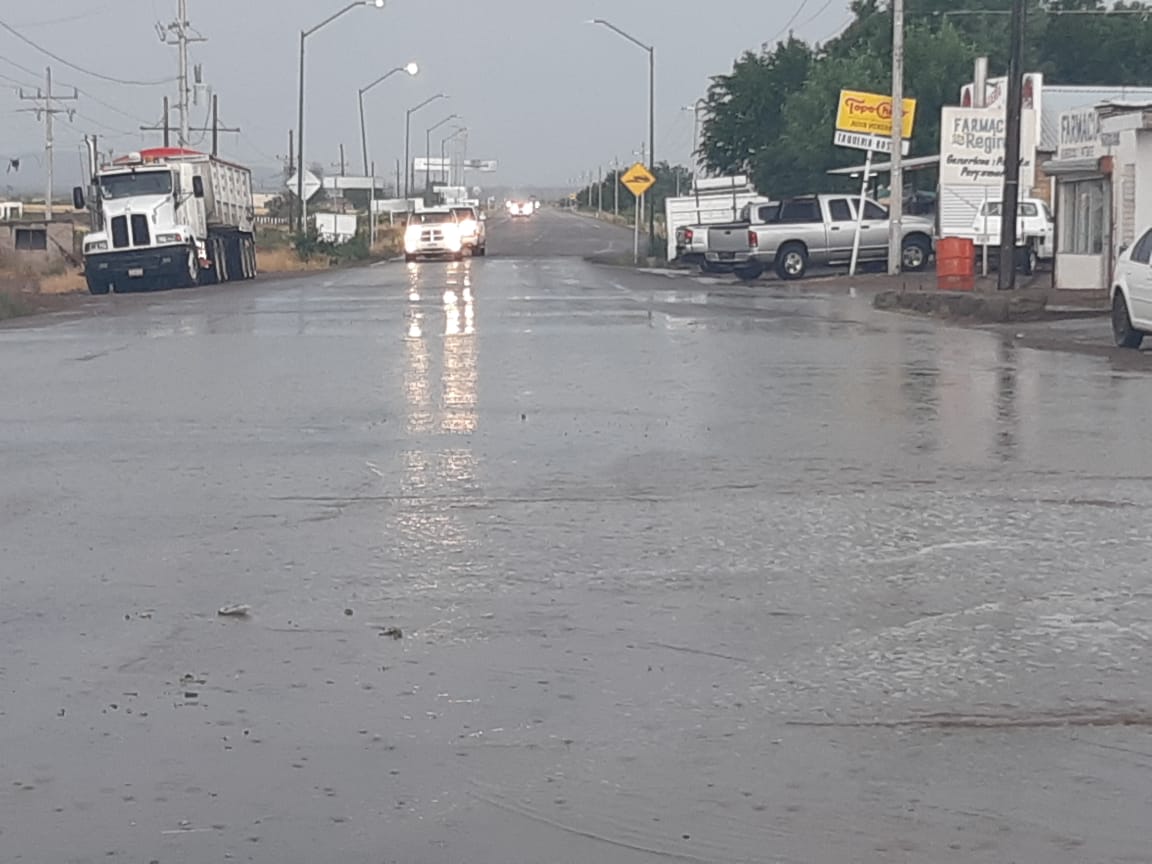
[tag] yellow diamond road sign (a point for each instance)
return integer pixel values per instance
(638, 179)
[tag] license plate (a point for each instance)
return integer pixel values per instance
(136, 271)
(727, 256)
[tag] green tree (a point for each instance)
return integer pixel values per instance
(743, 109)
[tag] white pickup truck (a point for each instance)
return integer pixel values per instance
(1035, 232)
(819, 229)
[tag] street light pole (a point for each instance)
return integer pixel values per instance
(456, 133)
(428, 150)
(304, 34)
(651, 117)
(408, 142)
(411, 69)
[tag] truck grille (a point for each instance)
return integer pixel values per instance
(119, 232)
(431, 235)
(140, 236)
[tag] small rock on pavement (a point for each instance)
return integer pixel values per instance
(392, 632)
(240, 610)
(348, 612)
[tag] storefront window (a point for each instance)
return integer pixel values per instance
(1082, 217)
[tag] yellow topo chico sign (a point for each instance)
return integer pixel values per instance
(871, 114)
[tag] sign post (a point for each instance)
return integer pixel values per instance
(864, 122)
(860, 213)
(639, 180)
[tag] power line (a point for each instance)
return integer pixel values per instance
(127, 82)
(791, 21)
(817, 13)
(88, 93)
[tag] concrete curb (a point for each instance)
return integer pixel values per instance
(997, 308)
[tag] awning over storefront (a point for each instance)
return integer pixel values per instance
(1068, 167)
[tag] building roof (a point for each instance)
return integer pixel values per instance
(885, 167)
(1060, 98)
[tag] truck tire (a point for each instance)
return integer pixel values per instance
(792, 261)
(223, 271)
(250, 246)
(98, 287)
(1030, 260)
(915, 253)
(190, 278)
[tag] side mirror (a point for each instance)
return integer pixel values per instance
(78, 197)
(1123, 248)
(483, 217)
(198, 186)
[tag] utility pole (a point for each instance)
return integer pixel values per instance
(48, 111)
(896, 184)
(214, 127)
(163, 126)
(1010, 198)
(616, 187)
(181, 34)
(599, 190)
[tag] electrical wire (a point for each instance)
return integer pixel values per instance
(817, 13)
(791, 21)
(86, 93)
(15, 81)
(127, 82)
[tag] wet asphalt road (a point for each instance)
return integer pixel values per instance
(685, 572)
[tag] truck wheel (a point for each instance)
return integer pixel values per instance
(914, 254)
(98, 286)
(750, 273)
(792, 261)
(223, 271)
(191, 277)
(1123, 333)
(250, 245)
(1031, 260)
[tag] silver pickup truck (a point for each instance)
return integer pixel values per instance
(819, 229)
(727, 247)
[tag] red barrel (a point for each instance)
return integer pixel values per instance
(955, 264)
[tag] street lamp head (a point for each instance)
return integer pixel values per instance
(412, 69)
(379, 4)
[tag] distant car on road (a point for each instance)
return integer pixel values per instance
(521, 209)
(433, 234)
(473, 231)
(1132, 294)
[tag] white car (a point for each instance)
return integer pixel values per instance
(520, 209)
(1132, 293)
(473, 230)
(433, 234)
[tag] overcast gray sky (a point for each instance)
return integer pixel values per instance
(541, 91)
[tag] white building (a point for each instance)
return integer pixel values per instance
(1102, 177)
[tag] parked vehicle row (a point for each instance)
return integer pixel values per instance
(792, 235)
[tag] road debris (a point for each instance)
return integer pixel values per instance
(240, 610)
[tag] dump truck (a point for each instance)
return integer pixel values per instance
(169, 218)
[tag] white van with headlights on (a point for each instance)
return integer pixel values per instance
(433, 234)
